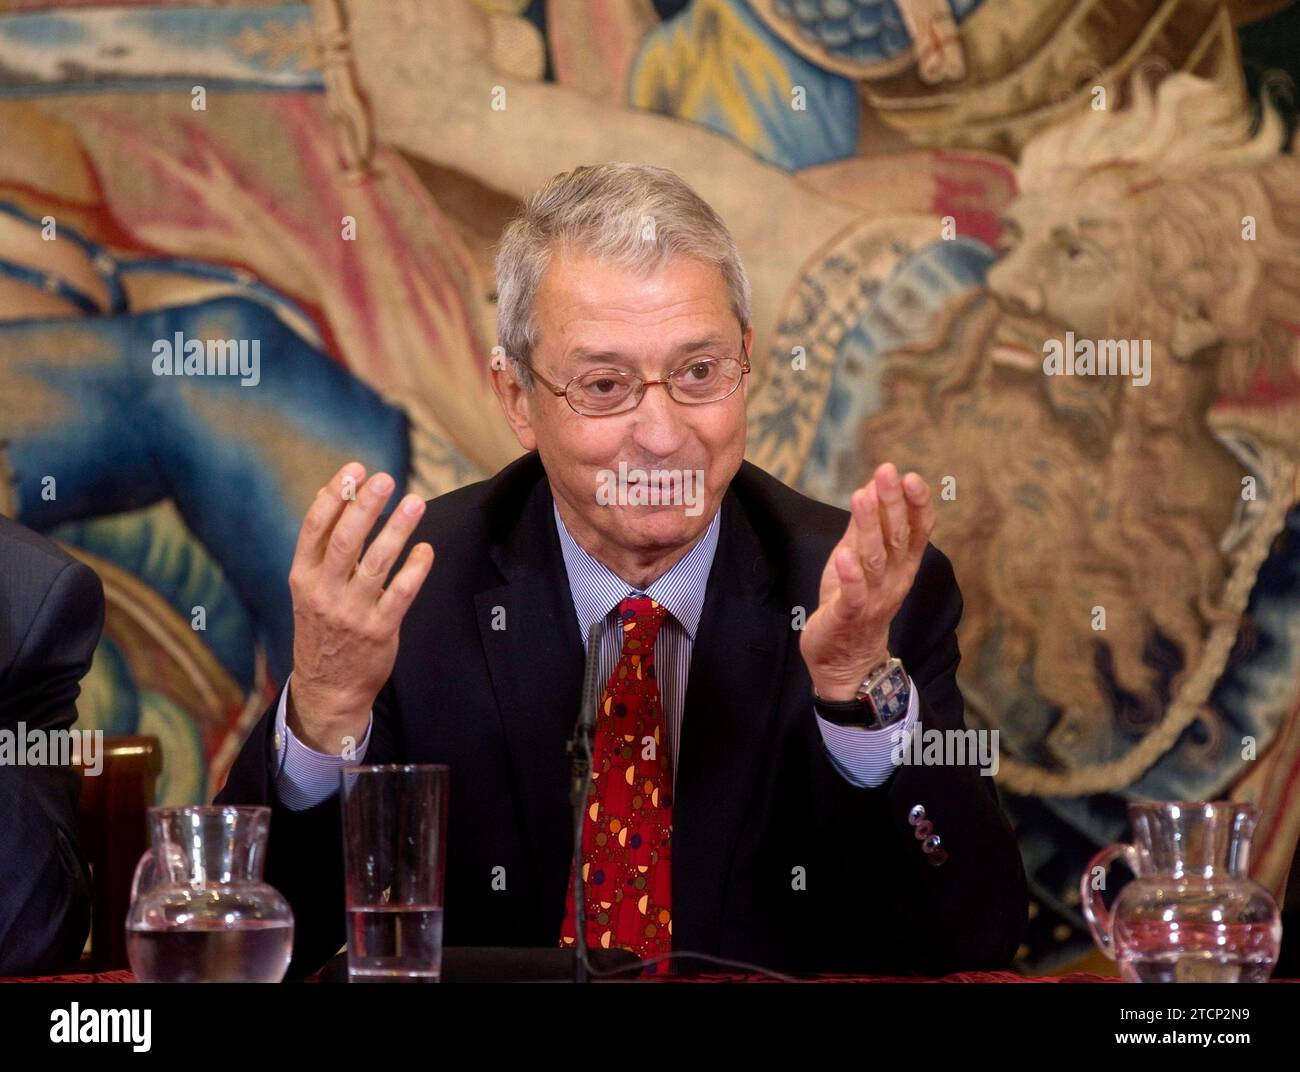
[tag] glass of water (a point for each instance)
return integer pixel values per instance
(394, 856)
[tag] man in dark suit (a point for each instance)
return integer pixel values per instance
(762, 650)
(51, 614)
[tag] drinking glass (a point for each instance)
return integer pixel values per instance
(394, 853)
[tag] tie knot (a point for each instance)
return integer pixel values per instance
(640, 618)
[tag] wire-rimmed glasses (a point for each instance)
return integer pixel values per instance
(603, 392)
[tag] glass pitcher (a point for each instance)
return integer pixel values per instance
(200, 911)
(1191, 914)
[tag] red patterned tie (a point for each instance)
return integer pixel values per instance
(627, 834)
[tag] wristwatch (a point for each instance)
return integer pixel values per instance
(882, 700)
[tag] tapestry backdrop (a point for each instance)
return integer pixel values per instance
(1045, 252)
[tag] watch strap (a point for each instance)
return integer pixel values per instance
(846, 712)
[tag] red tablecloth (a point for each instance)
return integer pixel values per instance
(125, 976)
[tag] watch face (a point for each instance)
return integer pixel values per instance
(893, 707)
(890, 696)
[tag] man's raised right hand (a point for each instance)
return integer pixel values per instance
(345, 622)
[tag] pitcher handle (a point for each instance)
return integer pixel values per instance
(149, 858)
(1094, 908)
(145, 861)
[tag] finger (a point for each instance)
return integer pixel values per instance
(921, 516)
(351, 530)
(324, 512)
(853, 594)
(850, 538)
(397, 597)
(384, 548)
(893, 513)
(870, 538)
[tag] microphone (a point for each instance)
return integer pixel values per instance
(579, 750)
(590, 684)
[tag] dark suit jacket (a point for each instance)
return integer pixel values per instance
(755, 797)
(51, 613)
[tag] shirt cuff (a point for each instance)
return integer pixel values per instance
(305, 777)
(864, 757)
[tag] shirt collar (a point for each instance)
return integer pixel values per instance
(597, 590)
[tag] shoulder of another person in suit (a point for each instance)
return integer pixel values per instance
(79, 588)
(51, 610)
(25, 549)
(46, 571)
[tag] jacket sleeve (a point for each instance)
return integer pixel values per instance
(44, 880)
(969, 912)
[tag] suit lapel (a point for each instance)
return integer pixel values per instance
(535, 663)
(737, 666)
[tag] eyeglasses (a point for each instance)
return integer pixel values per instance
(604, 392)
